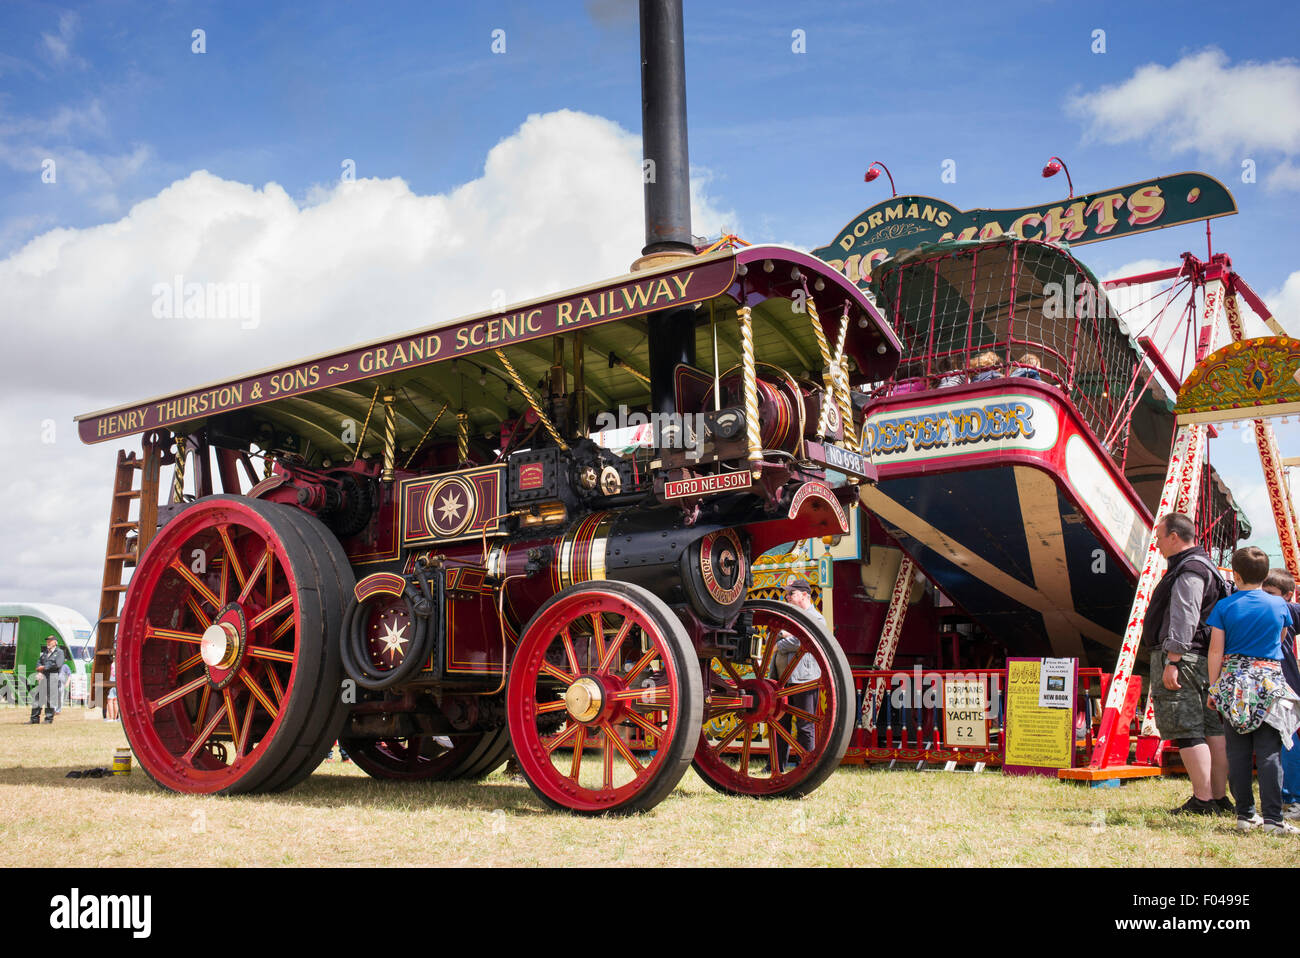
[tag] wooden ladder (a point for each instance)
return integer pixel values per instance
(120, 552)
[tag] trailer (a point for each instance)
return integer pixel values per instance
(24, 627)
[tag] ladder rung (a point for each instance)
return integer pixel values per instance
(129, 524)
(120, 556)
(114, 588)
(128, 494)
(112, 618)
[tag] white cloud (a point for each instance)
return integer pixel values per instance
(1285, 303)
(1284, 176)
(57, 47)
(1201, 104)
(559, 204)
(27, 143)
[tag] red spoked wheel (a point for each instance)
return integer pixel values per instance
(426, 758)
(227, 660)
(752, 693)
(604, 699)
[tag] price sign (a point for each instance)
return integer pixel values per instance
(965, 707)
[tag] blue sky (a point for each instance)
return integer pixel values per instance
(286, 92)
(438, 127)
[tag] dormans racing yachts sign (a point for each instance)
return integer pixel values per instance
(905, 222)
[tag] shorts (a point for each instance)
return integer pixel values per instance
(1183, 712)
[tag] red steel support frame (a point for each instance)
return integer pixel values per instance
(1179, 494)
(889, 636)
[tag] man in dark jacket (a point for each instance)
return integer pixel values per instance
(48, 669)
(1177, 637)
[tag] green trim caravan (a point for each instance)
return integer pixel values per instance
(23, 629)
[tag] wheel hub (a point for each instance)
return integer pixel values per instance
(584, 699)
(222, 645)
(766, 703)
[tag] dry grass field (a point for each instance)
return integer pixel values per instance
(339, 816)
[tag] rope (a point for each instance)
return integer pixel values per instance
(533, 401)
(178, 477)
(750, 380)
(462, 436)
(390, 436)
(841, 380)
(411, 459)
(824, 347)
(365, 425)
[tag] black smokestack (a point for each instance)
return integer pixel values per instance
(663, 129)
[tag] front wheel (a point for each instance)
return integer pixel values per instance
(604, 700)
(227, 663)
(805, 720)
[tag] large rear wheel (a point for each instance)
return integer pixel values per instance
(228, 677)
(604, 699)
(752, 696)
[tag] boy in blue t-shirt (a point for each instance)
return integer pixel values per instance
(1247, 685)
(1281, 583)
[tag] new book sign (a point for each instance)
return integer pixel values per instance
(1040, 716)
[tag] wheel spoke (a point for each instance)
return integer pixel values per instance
(556, 706)
(270, 612)
(568, 650)
(564, 736)
(172, 634)
(204, 619)
(729, 703)
(195, 582)
(729, 738)
(800, 713)
(276, 688)
(769, 648)
(256, 689)
(780, 730)
(731, 670)
(262, 563)
(275, 655)
(649, 696)
(608, 658)
(203, 736)
(801, 687)
(649, 727)
(641, 663)
(613, 738)
(201, 715)
(575, 766)
(790, 666)
(231, 558)
(744, 749)
(607, 755)
(178, 693)
(241, 746)
(280, 631)
(189, 663)
(598, 632)
(558, 673)
(229, 701)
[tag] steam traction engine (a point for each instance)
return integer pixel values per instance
(437, 562)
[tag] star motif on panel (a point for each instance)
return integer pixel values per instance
(394, 641)
(450, 506)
